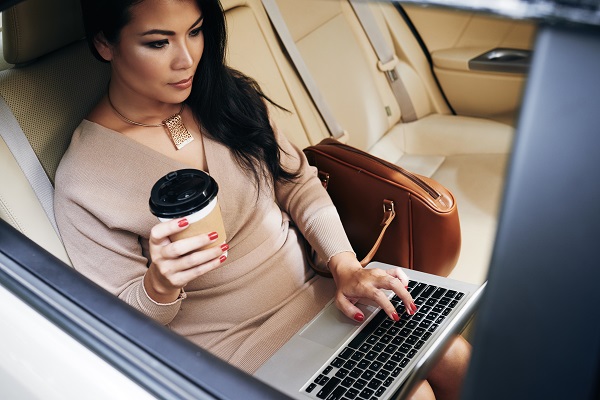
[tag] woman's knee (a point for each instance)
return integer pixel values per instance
(456, 357)
(447, 376)
(422, 392)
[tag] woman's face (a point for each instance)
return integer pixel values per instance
(158, 51)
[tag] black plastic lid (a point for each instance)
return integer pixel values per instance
(181, 193)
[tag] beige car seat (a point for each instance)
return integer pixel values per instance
(54, 83)
(253, 48)
(466, 154)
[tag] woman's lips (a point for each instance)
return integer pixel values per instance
(184, 84)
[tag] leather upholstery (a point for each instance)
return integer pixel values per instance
(253, 48)
(438, 144)
(35, 28)
(53, 85)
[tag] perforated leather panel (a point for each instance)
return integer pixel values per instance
(51, 96)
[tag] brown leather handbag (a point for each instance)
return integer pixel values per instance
(389, 214)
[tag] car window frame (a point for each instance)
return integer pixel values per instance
(161, 361)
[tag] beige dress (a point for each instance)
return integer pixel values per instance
(263, 293)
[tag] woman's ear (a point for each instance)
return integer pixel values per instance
(104, 48)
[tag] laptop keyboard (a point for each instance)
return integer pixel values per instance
(368, 365)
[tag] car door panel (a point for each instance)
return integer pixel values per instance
(455, 39)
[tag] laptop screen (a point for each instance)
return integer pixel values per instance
(538, 332)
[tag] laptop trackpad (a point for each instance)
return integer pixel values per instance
(331, 327)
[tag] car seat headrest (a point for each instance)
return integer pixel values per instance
(34, 28)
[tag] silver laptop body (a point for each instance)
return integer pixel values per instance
(317, 363)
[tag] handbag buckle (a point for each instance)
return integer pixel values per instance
(389, 212)
(324, 178)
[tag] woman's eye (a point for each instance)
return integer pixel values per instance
(196, 32)
(159, 44)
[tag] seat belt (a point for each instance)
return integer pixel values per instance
(388, 62)
(19, 146)
(335, 129)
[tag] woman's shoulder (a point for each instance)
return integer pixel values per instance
(87, 153)
(88, 138)
(73, 159)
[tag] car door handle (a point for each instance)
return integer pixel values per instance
(514, 61)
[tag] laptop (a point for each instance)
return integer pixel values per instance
(333, 357)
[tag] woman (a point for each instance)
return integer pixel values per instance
(245, 298)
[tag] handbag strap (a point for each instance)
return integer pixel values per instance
(335, 129)
(388, 62)
(389, 213)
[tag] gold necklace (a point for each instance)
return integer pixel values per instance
(177, 131)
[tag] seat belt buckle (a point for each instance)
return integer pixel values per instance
(389, 68)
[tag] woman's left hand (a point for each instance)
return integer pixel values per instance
(355, 282)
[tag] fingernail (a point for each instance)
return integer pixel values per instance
(223, 258)
(406, 287)
(395, 316)
(213, 235)
(359, 317)
(412, 309)
(183, 222)
(224, 247)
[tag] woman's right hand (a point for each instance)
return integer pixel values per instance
(174, 264)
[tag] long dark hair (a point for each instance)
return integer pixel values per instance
(229, 105)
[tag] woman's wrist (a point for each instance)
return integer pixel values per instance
(159, 293)
(346, 259)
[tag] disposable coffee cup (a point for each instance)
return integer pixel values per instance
(192, 194)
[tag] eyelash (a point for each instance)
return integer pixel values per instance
(196, 32)
(159, 44)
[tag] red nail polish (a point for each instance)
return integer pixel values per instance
(182, 223)
(224, 247)
(359, 317)
(395, 316)
(223, 258)
(213, 235)
(413, 307)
